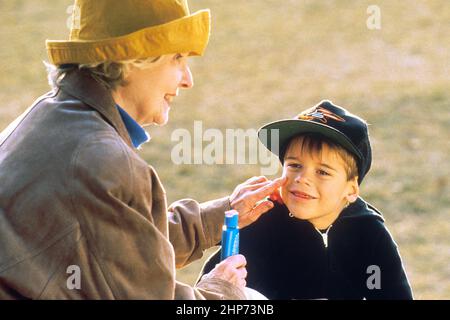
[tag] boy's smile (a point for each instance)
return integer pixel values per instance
(317, 188)
(299, 195)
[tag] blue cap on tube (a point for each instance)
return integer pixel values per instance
(231, 219)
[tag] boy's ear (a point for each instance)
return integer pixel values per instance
(353, 192)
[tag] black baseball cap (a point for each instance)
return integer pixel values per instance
(329, 120)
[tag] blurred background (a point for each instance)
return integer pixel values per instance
(271, 59)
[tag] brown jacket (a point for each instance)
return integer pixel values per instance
(77, 202)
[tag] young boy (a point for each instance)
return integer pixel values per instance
(321, 240)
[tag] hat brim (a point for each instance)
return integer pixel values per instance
(187, 34)
(289, 128)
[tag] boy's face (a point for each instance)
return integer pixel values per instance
(317, 188)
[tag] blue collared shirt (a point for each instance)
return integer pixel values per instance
(137, 134)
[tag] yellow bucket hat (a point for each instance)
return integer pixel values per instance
(112, 30)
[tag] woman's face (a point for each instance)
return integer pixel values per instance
(150, 91)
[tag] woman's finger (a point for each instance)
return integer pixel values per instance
(268, 189)
(236, 261)
(252, 187)
(255, 179)
(256, 212)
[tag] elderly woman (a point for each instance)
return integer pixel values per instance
(82, 215)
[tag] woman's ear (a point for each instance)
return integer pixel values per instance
(353, 190)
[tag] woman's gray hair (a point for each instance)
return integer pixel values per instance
(110, 74)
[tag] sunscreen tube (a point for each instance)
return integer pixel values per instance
(230, 234)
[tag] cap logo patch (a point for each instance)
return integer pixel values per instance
(320, 114)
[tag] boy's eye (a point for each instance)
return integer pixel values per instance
(178, 56)
(323, 173)
(294, 165)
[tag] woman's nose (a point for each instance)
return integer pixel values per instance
(187, 81)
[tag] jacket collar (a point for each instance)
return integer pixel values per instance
(137, 134)
(360, 208)
(82, 86)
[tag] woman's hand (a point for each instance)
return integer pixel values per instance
(249, 198)
(232, 269)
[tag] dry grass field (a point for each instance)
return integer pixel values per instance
(271, 59)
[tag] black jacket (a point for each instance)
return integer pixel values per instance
(287, 258)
